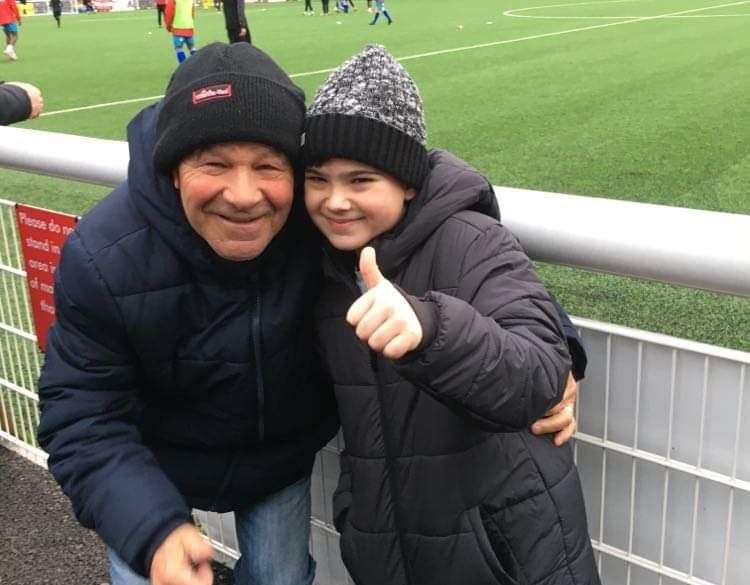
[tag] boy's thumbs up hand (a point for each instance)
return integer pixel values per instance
(368, 268)
(382, 317)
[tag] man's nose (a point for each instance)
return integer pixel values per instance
(242, 189)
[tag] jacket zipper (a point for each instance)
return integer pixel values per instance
(389, 463)
(353, 283)
(261, 395)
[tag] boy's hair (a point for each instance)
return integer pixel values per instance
(369, 110)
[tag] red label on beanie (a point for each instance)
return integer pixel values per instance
(212, 92)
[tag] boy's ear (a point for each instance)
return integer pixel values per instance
(176, 179)
(410, 194)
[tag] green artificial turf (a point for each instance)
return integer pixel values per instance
(603, 100)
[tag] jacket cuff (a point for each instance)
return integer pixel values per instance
(157, 539)
(575, 346)
(578, 356)
(428, 315)
(22, 106)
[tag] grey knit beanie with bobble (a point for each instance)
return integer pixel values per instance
(369, 110)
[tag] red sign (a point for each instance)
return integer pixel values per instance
(42, 235)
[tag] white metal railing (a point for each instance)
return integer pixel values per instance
(700, 249)
(663, 438)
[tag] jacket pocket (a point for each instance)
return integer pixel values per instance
(495, 549)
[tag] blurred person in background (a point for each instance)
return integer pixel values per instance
(10, 19)
(56, 6)
(180, 21)
(235, 20)
(161, 6)
(380, 8)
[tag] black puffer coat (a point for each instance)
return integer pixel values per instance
(441, 481)
(174, 378)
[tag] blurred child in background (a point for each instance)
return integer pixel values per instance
(10, 18)
(180, 19)
(380, 7)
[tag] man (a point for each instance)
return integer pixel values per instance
(181, 371)
(238, 30)
(19, 101)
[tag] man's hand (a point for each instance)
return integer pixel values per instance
(382, 317)
(243, 31)
(35, 97)
(184, 558)
(560, 419)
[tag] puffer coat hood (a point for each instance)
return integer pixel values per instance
(441, 481)
(174, 378)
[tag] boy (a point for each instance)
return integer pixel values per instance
(459, 350)
(10, 18)
(180, 19)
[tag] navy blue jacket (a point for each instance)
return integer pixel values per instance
(174, 378)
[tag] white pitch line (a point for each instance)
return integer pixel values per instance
(515, 12)
(440, 52)
(566, 32)
(676, 17)
(106, 105)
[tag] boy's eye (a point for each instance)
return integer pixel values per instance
(314, 179)
(363, 180)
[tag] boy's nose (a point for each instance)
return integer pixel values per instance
(338, 200)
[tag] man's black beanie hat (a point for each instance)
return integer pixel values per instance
(228, 93)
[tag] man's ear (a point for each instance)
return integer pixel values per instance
(410, 194)
(176, 178)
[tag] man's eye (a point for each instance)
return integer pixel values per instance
(214, 164)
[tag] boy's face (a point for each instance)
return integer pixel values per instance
(236, 195)
(353, 203)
